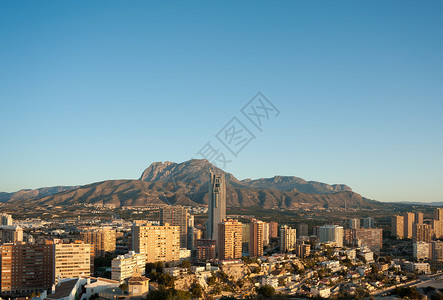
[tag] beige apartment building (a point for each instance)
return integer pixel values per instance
(158, 243)
(103, 240)
(408, 220)
(422, 232)
(176, 216)
(397, 226)
(72, 260)
(230, 239)
(288, 238)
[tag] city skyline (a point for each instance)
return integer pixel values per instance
(98, 91)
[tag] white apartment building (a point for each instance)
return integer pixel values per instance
(122, 267)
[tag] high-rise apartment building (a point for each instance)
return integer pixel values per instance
(422, 232)
(245, 237)
(256, 238)
(27, 268)
(409, 219)
(72, 260)
(437, 223)
(5, 219)
(229, 239)
(158, 243)
(354, 223)
(421, 250)
(397, 227)
(103, 240)
(438, 214)
(331, 234)
(123, 266)
(303, 250)
(273, 230)
(10, 234)
(437, 227)
(418, 217)
(217, 204)
(369, 237)
(368, 222)
(176, 216)
(205, 249)
(288, 238)
(302, 230)
(437, 251)
(265, 234)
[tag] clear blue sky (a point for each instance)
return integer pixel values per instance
(97, 90)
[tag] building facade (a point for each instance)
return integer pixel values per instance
(103, 240)
(256, 238)
(273, 230)
(123, 266)
(72, 260)
(217, 204)
(27, 268)
(397, 227)
(288, 238)
(158, 243)
(176, 216)
(230, 239)
(331, 234)
(409, 219)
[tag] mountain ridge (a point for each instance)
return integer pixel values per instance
(187, 183)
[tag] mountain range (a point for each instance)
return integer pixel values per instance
(187, 184)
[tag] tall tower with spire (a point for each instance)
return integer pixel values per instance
(217, 204)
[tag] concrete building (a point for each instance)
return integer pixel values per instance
(303, 250)
(6, 219)
(409, 219)
(72, 260)
(288, 238)
(27, 268)
(422, 250)
(437, 251)
(176, 216)
(256, 238)
(217, 204)
(354, 223)
(245, 237)
(368, 222)
(437, 228)
(397, 227)
(10, 234)
(422, 232)
(369, 237)
(158, 243)
(273, 230)
(302, 230)
(229, 239)
(103, 240)
(205, 249)
(418, 217)
(438, 214)
(265, 234)
(331, 234)
(123, 266)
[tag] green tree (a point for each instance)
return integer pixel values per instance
(123, 287)
(185, 264)
(266, 291)
(196, 290)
